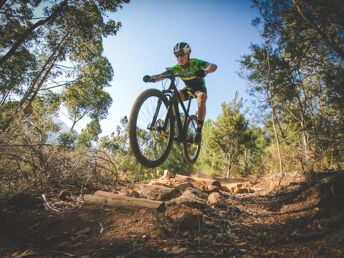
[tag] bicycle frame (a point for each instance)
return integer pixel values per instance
(174, 99)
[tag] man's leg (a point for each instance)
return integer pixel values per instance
(201, 100)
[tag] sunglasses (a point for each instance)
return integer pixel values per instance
(180, 54)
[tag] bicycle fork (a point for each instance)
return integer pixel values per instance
(153, 125)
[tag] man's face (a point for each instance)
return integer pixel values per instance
(182, 58)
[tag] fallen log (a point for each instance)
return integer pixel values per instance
(237, 187)
(205, 181)
(116, 200)
(183, 178)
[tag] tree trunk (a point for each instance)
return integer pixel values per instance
(39, 86)
(51, 61)
(246, 158)
(77, 119)
(270, 98)
(74, 123)
(4, 98)
(277, 140)
(305, 142)
(229, 165)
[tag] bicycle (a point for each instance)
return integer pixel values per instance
(151, 125)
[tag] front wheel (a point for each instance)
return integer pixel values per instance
(150, 137)
(190, 148)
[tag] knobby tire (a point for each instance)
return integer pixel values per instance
(133, 128)
(191, 150)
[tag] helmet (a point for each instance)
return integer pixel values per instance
(182, 47)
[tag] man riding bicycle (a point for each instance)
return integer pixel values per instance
(195, 84)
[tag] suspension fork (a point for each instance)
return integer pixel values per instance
(151, 125)
(169, 111)
(171, 104)
(177, 116)
(168, 114)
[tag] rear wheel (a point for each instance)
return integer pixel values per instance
(190, 148)
(149, 140)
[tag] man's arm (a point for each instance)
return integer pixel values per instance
(157, 77)
(152, 78)
(210, 68)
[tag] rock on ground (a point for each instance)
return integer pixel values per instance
(157, 192)
(216, 199)
(183, 216)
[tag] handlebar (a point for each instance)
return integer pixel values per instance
(172, 76)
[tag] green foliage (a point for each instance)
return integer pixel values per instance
(258, 146)
(175, 162)
(15, 75)
(299, 80)
(89, 134)
(209, 160)
(59, 52)
(68, 138)
(302, 26)
(230, 146)
(117, 145)
(6, 111)
(230, 133)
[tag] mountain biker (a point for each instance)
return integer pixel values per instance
(195, 84)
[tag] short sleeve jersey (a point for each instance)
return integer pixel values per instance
(194, 82)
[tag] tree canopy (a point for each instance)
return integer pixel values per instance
(56, 48)
(297, 73)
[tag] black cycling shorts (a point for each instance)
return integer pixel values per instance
(191, 93)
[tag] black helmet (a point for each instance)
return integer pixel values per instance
(182, 47)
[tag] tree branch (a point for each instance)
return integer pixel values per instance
(324, 35)
(31, 90)
(29, 31)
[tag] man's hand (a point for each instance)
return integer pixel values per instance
(148, 78)
(201, 73)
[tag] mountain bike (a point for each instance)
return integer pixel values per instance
(152, 125)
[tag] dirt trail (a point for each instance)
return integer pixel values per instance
(304, 218)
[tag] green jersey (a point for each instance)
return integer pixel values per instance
(193, 65)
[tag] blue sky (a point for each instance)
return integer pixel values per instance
(218, 31)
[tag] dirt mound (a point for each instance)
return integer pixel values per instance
(290, 215)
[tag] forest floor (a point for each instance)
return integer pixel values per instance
(289, 216)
